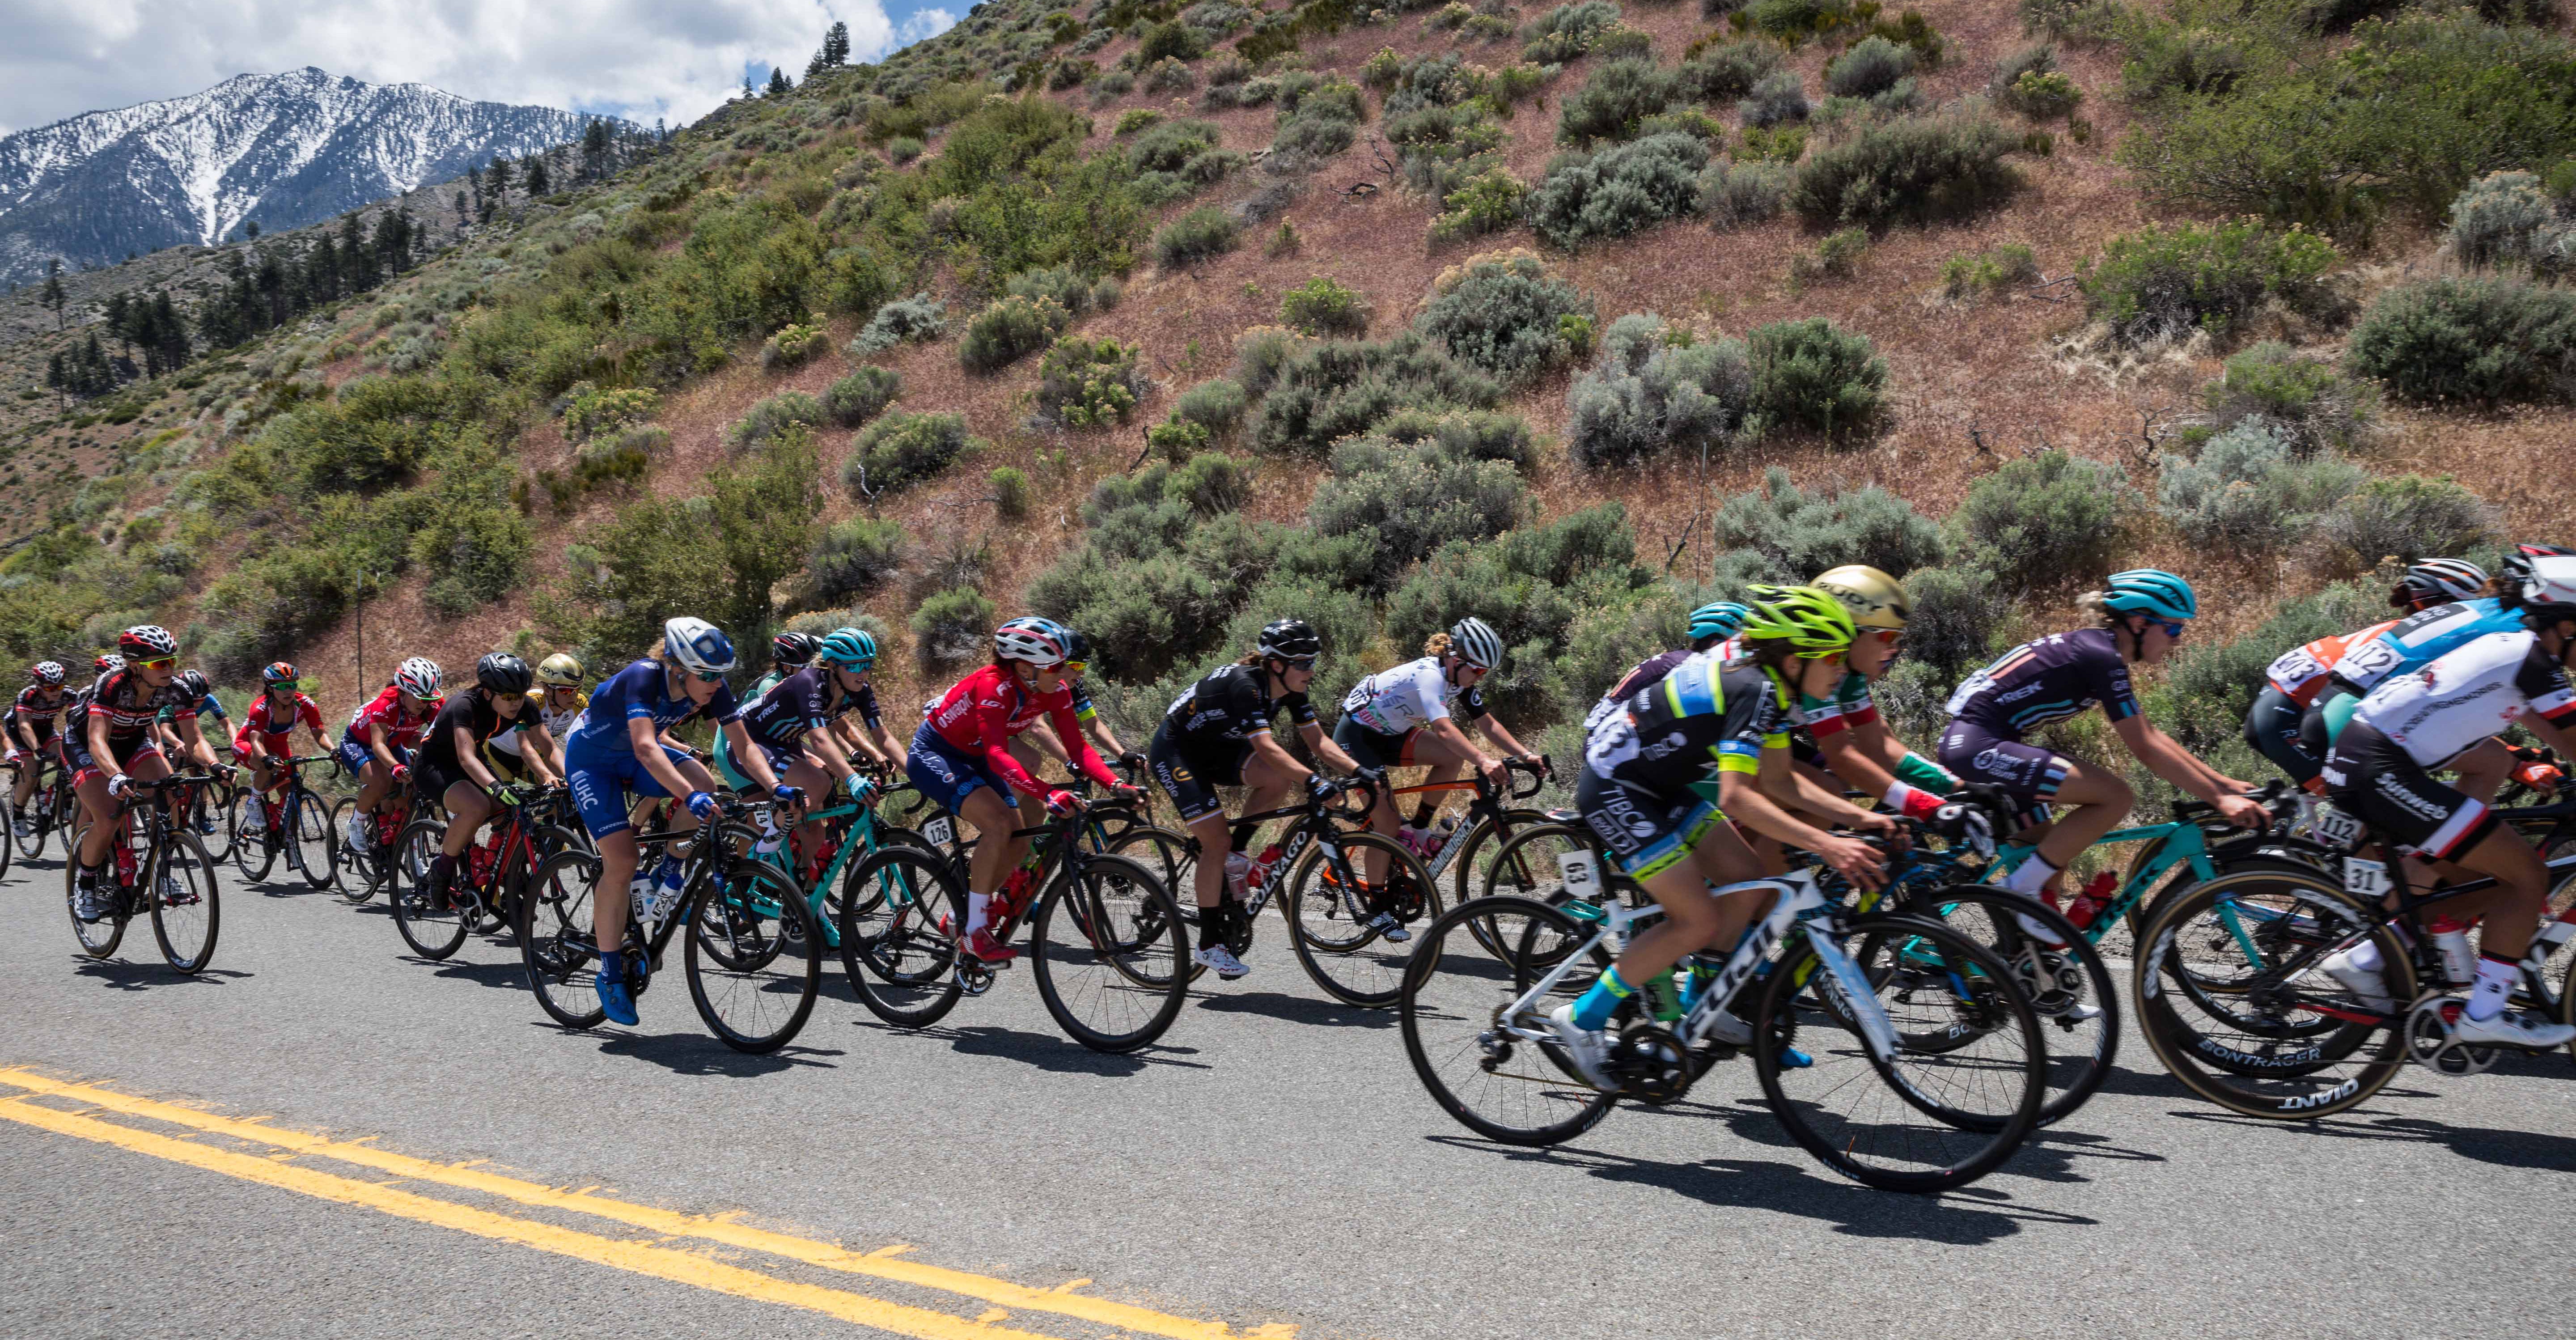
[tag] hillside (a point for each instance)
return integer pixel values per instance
(2047, 298)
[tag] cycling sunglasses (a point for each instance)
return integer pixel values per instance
(1076, 669)
(2173, 629)
(1298, 662)
(161, 662)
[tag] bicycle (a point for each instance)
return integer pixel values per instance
(850, 832)
(51, 805)
(374, 866)
(1105, 938)
(295, 824)
(160, 869)
(531, 824)
(208, 806)
(1942, 1028)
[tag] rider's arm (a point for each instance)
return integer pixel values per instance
(194, 741)
(1745, 791)
(469, 759)
(751, 760)
(2169, 760)
(1267, 747)
(540, 758)
(1052, 747)
(380, 745)
(1078, 751)
(1492, 728)
(1105, 738)
(1789, 785)
(1322, 747)
(647, 743)
(1445, 730)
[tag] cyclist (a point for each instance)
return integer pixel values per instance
(376, 747)
(2294, 680)
(961, 758)
(1218, 733)
(1851, 738)
(559, 700)
(792, 723)
(1637, 792)
(32, 718)
(616, 746)
(1402, 718)
(2141, 614)
(1710, 626)
(2413, 723)
(165, 731)
(267, 733)
(863, 731)
(112, 745)
(451, 757)
(1094, 726)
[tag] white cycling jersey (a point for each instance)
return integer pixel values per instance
(1392, 702)
(2476, 690)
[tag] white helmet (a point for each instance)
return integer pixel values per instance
(418, 677)
(699, 645)
(2550, 591)
(1040, 642)
(2443, 579)
(1476, 643)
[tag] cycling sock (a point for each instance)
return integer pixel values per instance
(1593, 1008)
(442, 865)
(2495, 982)
(2027, 877)
(979, 907)
(612, 965)
(1212, 923)
(1239, 837)
(1696, 985)
(1422, 814)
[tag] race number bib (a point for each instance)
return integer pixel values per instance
(2368, 663)
(940, 832)
(2364, 879)
(2336, 829)
(2294, 668)
(1576, 869)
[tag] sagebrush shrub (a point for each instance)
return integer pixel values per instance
(2407, 517)
(1413, 499)
(1086, 383)
(2043, 95)
(1620, 95)
(2473, 341)
(1318, 118)
(591, 412)
(1210, 484)
(859, 397)
(1915, 168)
(2164, 282)
(952, 628)
(773, 415)
(1316, 393)
(1991, 271)
(901, 450)
(1727, 70)
(854, 558)
(1871, 67)
(1195, 236)
(793, 346)
(1486, 203)
(1173, 41)
(1008, 330)
(1800, 534)
(1066, 286)
(1951, 627)
(917, 318)
(2508, 218)
(1740, 194)
(2306, 399)
(1568, 31)
(1321, 306)
(1169, 75)
(1775, 99)
(1620, 190)
(1504, 314)
(1216, 404)
(2044, 520)
(1651, 394)
(2250, 490)
(1811, 374)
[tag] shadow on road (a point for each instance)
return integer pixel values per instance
(143, 976)
(698, 1054)
(2510, 1149)
(1046, 1051)
(1294, 1009)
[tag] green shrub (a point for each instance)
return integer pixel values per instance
(1837, 257)
(1171, 41)
(1318, 393)
(1169, 75)
(1621, 94)
(1911, 31)
(853, 559)
(2508, 218)
(1871, 67)
(2305, 399)
(920, 317)
(471, 542)
(2044, 520)
(901, 450)
(1486, 203)
(1568, 31)
(903, 149)
(952, 629)
(859, 397)
(1318, 118)
(1738, 195)
(1810, 374)
(1176, 439)
(1726, 71)
(1412, 499)
(1210, 484)
(1084, 383)
(1989, 272)
(2248, 490)
(1912, 169)
(1135, 119)
(1323, 307)
(769, 417)
(2472, 341)
(2164, 282)
(1620, 190)
(591, 412)
(1795, 22)
(1009, 330)
(1195, 236)
(2077, 20)
(1260, 354)
(1655, 391)
(1952, 625)
(2043, 95)
(1066, 287)
(1010, 493)
(2407, 517)
(1504, 315)
(1798, 534)
(1216, 404)
(1776, 99)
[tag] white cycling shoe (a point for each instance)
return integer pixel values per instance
(2370, 984)
(1588, 1048)
(359, 835)
(1385, 924)
(1220, 960)
(2512, 1028)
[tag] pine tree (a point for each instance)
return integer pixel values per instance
(778, 84)
(120, 320)
(836, 44)
(747, 90)
(58, 379)
(250, 229)
(54, 296)
(595, 144)
(170, 334)
(500, 176)
(661, 133)
(536, 175)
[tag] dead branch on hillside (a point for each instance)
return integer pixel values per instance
(1358, 191)
(1377, 150)
(2043, 289)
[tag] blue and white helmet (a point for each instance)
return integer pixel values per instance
(2150, 591)
(699, 645)
(1040, 642)
(1721, 620)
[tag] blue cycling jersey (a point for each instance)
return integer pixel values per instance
(637, 691)
(2422, 638)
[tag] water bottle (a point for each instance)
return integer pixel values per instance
(662, 893)
(2095, 897)
(1664, 998)
(2459, 962)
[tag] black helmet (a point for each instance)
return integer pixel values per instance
(194, 681)
(502, 672)
(1076, 646)
(1290, 640)
(794, 648)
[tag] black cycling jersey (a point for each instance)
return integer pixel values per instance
(1700, 720)
(805, 701)
(130, 705)
(472, 712)
(1233, 704)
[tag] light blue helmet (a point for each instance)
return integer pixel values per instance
(848, 649)
(699, 645)
(1722, 620)
(2149, 591)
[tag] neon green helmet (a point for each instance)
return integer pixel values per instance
(850, 649)
(1811, 620)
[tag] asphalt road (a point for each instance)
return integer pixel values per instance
(437, 1159)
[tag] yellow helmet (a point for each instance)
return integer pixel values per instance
(561, 668)
(1808, 619)
(1875, 599)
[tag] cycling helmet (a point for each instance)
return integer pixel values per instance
(147, 642)
(1076, 646)
(419, 677)
(108, 663)
(2438, 581)
(1476, 643)
(1291, 640)
(1875, 599)
(2549, 593)
(279, 672)
(502, 672)
(1040, 642)
(794, 648)
(47, 673)
(1809, 618)
(1718, 622)
(561, 668)
(2517, 565)
(850, 649)
(194, 681)
(698, 645)
(2149, 591)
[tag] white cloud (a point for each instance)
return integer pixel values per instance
(635, 58)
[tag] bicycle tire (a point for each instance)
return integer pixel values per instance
(1145, 994)
(38, 814)
(252, 859)
(348, 865)
(1961, 1144)
(1503, 1086)
(194, 917)
(99, 938)
(1166, 853)
(309, 833)
(902, 964)
(557, 944)
(2081, 1052)
(2282, 1073)
(212, 800)
(739, 927)
(433, 932)
(1516, 872)
(1351, 962)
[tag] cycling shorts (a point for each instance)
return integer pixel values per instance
(944, 773)
(1647, 834)
(601, 777)
(125, 750)
(2322, 724)
(1374, 749)
(354, 755)
(505, 765)
(780, 759)
(2027, 773)
(2274, 726)
(1191, 776)
(2372, 776)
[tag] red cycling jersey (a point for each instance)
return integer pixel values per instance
(985, 709)
(386, 715)
(262, 716)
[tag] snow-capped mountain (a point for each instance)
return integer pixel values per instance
(285, 150)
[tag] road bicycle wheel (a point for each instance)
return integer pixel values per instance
(754, 957)
(187, 908)
(1111, 986)
(1328, 919)
(556, 941)
(99, 938)
(1523, 865)
(351, 870)
(38, 814)
(2241, 1012)
(2077, 1002)
(432, 925)
(209, 818)
(1921, 1120)
(900, 955)
(309, 837)
(1166, 853)
(1497, 1073)
(253, 852)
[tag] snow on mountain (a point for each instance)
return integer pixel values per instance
(286, 150)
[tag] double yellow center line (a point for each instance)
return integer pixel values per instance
(284, 1169)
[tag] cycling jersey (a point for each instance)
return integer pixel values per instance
(2474, 691)
(557, 721)
(2418, 639)
(2046, 680)
(2301, 673)
(640, 690)
(265, 717)
(802, 702)
(37, 715)
(130, 705)
(1847, 706)
(1642, 766)
(977, 718)
(1392, 702)
(401, 730)
(1232, 705)
(479, 717)
(1643, 673)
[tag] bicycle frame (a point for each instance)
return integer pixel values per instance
(1486, 804)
